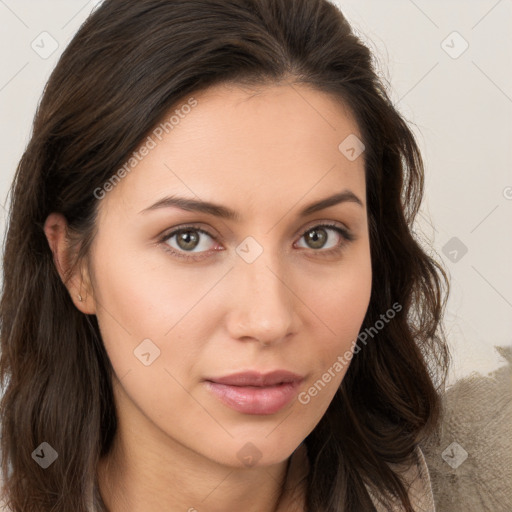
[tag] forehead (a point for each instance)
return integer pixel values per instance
(248, 148)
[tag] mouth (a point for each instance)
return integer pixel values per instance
(254, 392)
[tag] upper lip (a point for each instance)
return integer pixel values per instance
(255, 378)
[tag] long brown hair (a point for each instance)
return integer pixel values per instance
(130, 62)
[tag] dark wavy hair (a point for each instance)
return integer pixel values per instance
(127, 66)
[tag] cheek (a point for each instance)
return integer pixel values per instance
(341, 307)
(342, 298)
(137, 300)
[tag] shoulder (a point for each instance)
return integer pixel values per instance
(416, 478)
(3, 504)
(420, 486)
(3, 501)
(470, 457)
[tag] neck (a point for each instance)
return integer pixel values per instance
(147, 470)
(196, 486)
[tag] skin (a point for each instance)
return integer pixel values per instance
(266, 155)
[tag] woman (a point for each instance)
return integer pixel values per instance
(213, 298)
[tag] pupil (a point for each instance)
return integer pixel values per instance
(318, 240)
(188, 238)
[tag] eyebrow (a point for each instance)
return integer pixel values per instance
(217, 210)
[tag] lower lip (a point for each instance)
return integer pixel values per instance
(255, 400)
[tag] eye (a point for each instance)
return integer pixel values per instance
(187, 239)
(191, 242)
(317, 237)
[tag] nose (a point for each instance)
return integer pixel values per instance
(262, 307)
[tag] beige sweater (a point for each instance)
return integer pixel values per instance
(470, 461)
(417, 478)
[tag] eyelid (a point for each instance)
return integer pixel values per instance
(324, 223)
(200, 227)
(186, 227)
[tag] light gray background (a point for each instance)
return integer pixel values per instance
(460, 107)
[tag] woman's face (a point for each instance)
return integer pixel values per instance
(267, 289)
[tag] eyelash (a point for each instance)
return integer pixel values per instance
(346, 235)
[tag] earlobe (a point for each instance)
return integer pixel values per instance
(84, 296)
(56, 231)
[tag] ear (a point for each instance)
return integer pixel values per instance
(77, 280)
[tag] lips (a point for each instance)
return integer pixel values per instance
(258, 379)
(254, 392)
